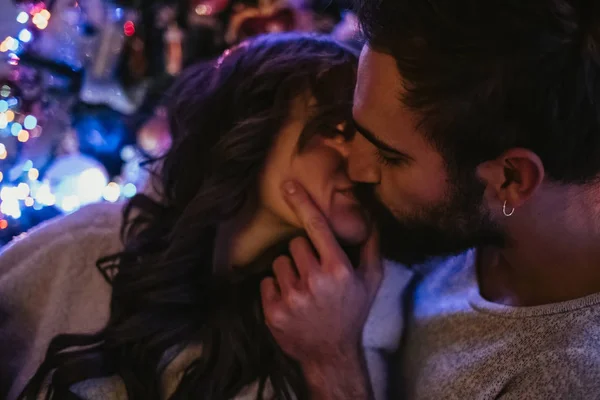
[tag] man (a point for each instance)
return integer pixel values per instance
(478, 128)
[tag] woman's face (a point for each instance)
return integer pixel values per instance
(321, 168)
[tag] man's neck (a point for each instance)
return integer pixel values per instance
(538, 275)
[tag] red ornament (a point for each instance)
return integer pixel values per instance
(129, 28)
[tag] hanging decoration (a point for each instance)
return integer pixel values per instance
(80, 81)
(53, 160)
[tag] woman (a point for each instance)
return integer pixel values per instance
(185, 313)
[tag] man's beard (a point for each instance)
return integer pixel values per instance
(452, 226)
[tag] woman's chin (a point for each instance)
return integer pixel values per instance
(351, 232)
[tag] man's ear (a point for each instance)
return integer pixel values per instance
(513, 177)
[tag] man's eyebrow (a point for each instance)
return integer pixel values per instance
(375, 141)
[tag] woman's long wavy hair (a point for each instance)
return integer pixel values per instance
(224, 117)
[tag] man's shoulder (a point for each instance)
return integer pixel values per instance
(563, 373)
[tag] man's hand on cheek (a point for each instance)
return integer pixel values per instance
(316, 305)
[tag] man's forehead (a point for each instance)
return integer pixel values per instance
(377, 103)
(378, 82)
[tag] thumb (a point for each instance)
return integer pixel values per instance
(371, 265)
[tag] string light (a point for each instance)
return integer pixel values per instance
(25, 36)
(30, 122)
(42, 24)
(16, 128)
(33, 174)
(129, 190)
(23, 136)
(111, 192)
(34, 193)
(13, 44)
(203, 9)
(45, 14)
(23, 191)
(23, 17)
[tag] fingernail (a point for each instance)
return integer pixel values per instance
(289, 187)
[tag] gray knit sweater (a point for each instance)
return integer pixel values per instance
(49, 285)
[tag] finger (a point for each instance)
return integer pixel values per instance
(269, 293)
(371, 264)
(315, 223)
(285, 274)
(304, 257)
(271, 302)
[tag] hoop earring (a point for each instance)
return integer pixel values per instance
(506, 213)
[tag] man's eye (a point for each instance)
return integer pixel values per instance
(385, 159)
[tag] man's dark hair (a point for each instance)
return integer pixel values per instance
(489, 75)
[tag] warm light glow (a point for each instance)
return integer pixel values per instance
(111, 192)
(9, 43)
(3, 155)
(1, 176)
(29, 201)
(10, 116)
(45, 14)
(33, 174)
(23, 136)
(3, 224)
(70, 203)
(22, 191)
(203, 9)
(43, 24)
(40, 21)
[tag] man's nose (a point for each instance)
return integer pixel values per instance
(362, 162)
